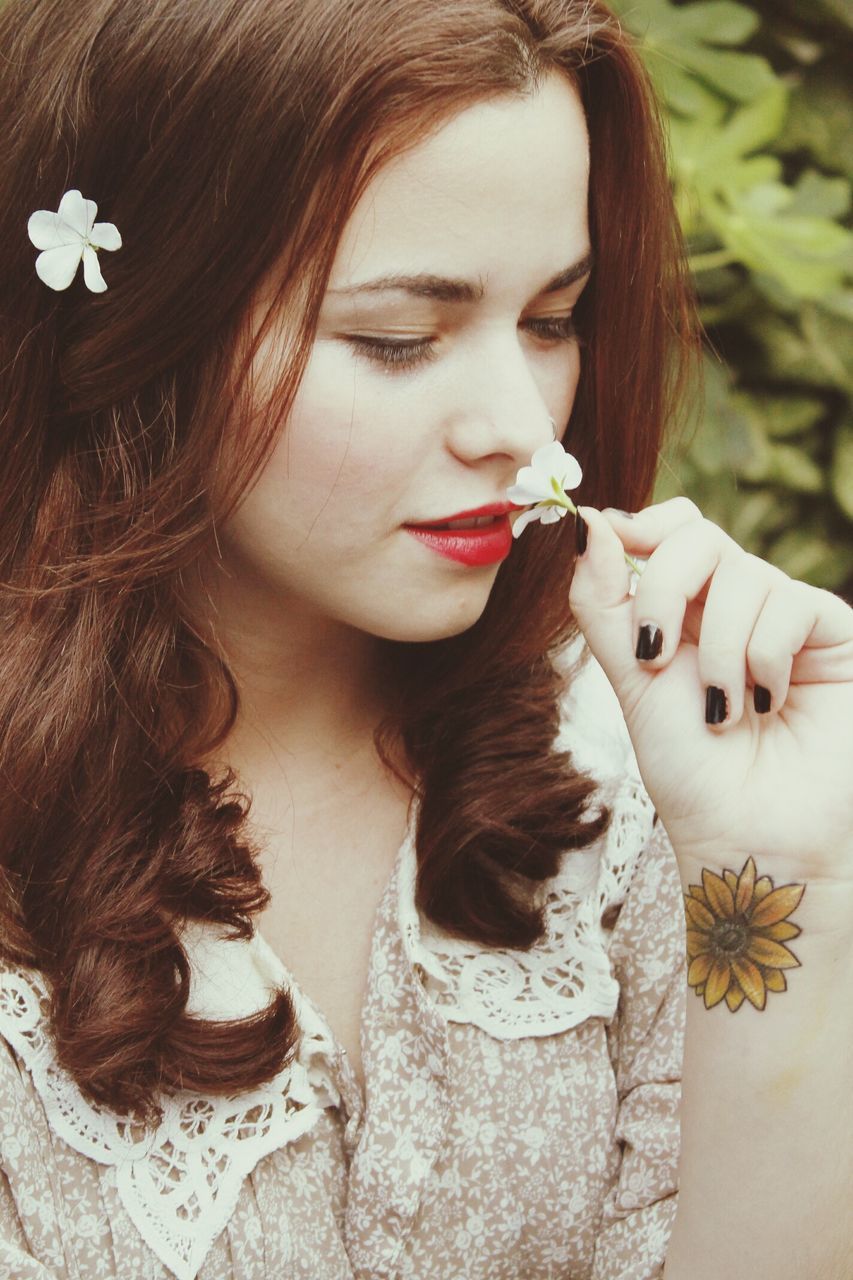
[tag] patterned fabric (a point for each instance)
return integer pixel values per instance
(520, 1116)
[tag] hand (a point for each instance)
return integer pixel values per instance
(777, 786)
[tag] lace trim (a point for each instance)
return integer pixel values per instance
(568, 977)
(179, 1183)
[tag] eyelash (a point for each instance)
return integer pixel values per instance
(407, 355)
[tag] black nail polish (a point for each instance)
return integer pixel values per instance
(649, 642)
(761, 698)
(581, 530)
(716, 708)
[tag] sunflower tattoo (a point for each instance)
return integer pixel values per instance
(736, 930)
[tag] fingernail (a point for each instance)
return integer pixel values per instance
(716, 709)
(629, 515)
(581, 530)
(649, 642)
(761, 698)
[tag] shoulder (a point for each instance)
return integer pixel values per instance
(226, 1135)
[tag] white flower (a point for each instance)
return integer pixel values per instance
(66, 237)
(551, 472)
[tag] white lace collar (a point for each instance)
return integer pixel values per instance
(179, 1183)
(206, 1146)
(566, 978)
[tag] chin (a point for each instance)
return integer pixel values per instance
(422, 630)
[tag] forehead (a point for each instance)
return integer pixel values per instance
(499, 192)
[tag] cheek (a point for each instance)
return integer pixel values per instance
(342, 448)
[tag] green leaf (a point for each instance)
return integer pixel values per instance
(841, 472)
(759, 513)
(739, 76)
(805, 254)
(681, 42)
(839, 303)
(730, 436)
(805, 554)
(820, 119)
(812, 354)
(719, 22)
(790, 415)
(794, 469)
(818, 196)
(704, 150)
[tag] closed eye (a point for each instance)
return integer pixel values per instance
(408, 353)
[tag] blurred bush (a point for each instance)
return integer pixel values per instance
(760, 113)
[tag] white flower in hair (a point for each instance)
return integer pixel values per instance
(66, 237)
(551, 472)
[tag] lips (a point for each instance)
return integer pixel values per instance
(475, 518)
(485, 545)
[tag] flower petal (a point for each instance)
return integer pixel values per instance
(58, 267)
(571, 474)
(718, 983)
(748, 975)
(550, 515)
(773, 954)
(699, 969)
(745, 887)
(550, 459)
(105, 235)
(734, 997)
(697, 914)
(719, 895)
(529, 487)
(92, 271)
(775, 980)
(47, 230)
(526, 518)
(697, 943)
(777, 905)
(781, 932)
(77, 212)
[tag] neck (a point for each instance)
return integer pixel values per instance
(312, 689)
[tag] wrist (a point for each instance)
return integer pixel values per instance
(749, 932)
(738, 883)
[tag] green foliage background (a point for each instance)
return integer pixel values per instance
(760, 112)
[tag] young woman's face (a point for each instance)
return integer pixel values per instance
(423, 400)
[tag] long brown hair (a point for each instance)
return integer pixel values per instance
(222, 137)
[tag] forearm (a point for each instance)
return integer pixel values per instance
(766, 1166)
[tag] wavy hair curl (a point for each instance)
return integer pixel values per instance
(195, 124)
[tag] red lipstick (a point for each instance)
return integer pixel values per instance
(487, 543)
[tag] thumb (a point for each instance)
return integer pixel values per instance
(603, 608)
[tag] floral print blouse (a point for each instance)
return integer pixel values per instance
(520, 1114)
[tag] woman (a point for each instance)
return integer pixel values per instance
(342, 935)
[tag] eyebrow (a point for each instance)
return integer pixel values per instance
(445, 289)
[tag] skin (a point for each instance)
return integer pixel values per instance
(316, 563)
(316, 566)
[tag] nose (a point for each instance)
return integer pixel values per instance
(504, 410)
